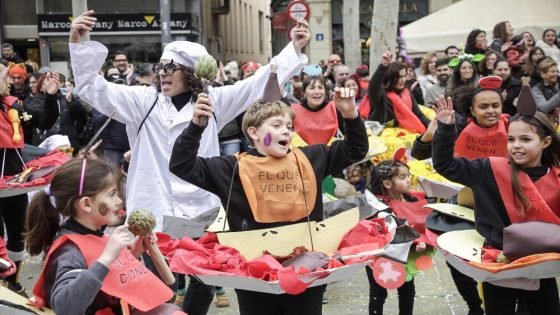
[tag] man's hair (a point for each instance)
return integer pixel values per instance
(8, 45)
(441, 62)
(260, 111)
(450, 47)
(119, 52)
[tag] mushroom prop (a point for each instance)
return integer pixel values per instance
(141, 222)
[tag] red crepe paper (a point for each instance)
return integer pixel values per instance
(207, 257)
(56, 158)
(490, 254)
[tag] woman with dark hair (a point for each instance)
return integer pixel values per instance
(391, 102)
(414, 85)
(528, 39)
(318, 118)
(70, 112)
(463, 74)
(549, 43)
(536, 54)
(476, 42)
(503, 32)
(486, 67)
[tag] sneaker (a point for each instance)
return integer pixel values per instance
(179, 297)
(222, 300)
(325, 299)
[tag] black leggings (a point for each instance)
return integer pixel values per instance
(309, 302)
(501, 300)
(378, 295)
(12, 211)
(468, 290)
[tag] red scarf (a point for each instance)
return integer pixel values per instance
(402, 107)
(545, 207)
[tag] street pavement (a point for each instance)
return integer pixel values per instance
(435, 293)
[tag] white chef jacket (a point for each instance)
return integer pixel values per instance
(150, 184)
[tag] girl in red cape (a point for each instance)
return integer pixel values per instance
(391, 183)
(86, 272)
(521, 187)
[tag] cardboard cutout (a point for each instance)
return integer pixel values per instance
(389, 274)
(321, 236)
(466, 244)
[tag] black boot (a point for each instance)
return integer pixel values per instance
(13, 280)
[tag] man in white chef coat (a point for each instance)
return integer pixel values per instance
(155, 116)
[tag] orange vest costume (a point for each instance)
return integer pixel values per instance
(6, 130)
(402, 107)
(128, 279)
(278, 189)
(477, 142)
(316, 127)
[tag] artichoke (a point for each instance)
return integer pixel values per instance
(141, 222)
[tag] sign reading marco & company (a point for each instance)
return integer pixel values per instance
(120, 24)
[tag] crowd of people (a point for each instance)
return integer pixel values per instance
(151, 136)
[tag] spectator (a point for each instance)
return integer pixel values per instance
(341, 73)
(249, 68)
(232, 70)
(144, 74)
(333, 60)
(362, 72)
(452, 52)
(9, 54)
(412, 84)
(517, 55)
(528, 39)
(32, 81)
(536, 55)
(69, 112)
(511, 87)
(32, 66)
(390, 99)
(549, 43)
(352, 83)
(476, 42)
(486, 66)
(427, 76)
(115, 141)
(443, 72)
(503, 32)
(546, 93)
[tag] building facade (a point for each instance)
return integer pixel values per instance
(230, 29)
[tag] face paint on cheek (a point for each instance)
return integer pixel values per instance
(103, 209)
(267, 139)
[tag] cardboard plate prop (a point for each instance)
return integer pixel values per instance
(281, 241)
(455, 211)
(282, 259)
(466, 244)
(15, 304)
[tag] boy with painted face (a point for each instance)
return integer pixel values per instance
(271, 185)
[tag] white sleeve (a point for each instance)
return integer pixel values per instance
(231, 100)
(130, 103)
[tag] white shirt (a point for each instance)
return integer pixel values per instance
(150, 184)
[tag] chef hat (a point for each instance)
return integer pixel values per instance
(184, 52)
(55, 141)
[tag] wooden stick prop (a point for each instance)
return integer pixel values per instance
(141, 222)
